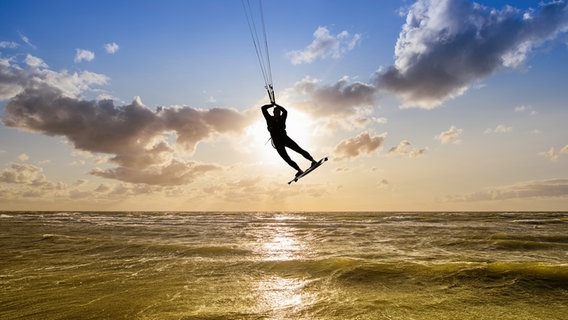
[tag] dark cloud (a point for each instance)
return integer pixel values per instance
(171, 174)
(135, 136)
(339, 99)
(446, 45)
(12, 80)
(193, 125)
(362, 144)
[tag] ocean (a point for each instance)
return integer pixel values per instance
(284, 265)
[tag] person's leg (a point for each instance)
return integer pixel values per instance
(294, 146)
(282, 152)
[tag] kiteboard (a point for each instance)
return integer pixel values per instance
(310, 169)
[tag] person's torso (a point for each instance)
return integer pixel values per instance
(276, 126)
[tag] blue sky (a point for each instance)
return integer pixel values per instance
(421, 105)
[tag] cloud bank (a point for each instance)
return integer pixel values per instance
(28, 175)
(446, 45)
(138, 139)
(529, 189)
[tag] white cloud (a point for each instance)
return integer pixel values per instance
(550, 154)
(84, 55)
(111, 48)
(524, 108)
(26, 40)
(35, 62)
(6, 62)
(500, 128)
(106, 96)
(23, 157)
(76, 83)
(325, 45)
(14, 79)
(452, 135)
(8, 45)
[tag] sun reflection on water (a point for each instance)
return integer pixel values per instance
(281, 247)
(280, 241)
(282, 296)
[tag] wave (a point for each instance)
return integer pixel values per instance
(104, 245)
(358, 271)
(216, 251)
(541, 221)
(514, 244)
(506, 241)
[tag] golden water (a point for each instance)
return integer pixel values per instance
(214, 265)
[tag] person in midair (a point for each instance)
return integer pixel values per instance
(277, 127)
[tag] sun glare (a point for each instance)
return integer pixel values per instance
(299, 127)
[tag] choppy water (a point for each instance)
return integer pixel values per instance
(214, 265)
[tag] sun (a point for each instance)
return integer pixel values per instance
(299, 127)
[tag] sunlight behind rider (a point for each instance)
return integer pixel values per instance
(276, 125)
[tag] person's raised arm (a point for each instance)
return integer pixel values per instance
(265, 110)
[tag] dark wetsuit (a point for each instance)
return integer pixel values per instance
(280, 140)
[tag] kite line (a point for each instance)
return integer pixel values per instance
(260, 41)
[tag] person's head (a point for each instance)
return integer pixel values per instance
(277, 112)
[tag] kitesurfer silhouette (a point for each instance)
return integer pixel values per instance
(277, 127)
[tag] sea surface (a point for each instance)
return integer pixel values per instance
(272, 265)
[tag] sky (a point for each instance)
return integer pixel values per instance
(420, 105)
